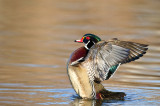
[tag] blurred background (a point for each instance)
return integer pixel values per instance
(36, 40)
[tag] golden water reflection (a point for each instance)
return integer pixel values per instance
(36, 39)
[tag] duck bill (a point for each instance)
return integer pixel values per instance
(79, 41)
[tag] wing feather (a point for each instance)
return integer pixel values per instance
(137, 50)
(104, 55)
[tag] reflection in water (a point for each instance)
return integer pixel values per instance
(36, 41)
(115, 97)
(82, 102)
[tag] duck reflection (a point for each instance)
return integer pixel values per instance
(85, 102)
(110, 97)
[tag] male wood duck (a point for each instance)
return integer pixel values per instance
(97, 61)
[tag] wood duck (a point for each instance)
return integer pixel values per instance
(97, 61)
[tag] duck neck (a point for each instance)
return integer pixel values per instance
(89, 44)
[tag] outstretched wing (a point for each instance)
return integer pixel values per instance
(137, 50)
(104, 57)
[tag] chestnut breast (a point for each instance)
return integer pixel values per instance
(77, 54)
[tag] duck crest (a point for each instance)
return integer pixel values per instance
(93, 36)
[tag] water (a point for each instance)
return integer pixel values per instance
(36, 40)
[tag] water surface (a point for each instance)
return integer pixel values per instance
(36, 40)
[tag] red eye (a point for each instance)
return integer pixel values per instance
(87, 38)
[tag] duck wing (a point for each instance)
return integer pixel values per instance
(137, 50)
(104, 58)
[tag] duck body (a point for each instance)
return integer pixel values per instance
(97, 61)
(79, 78)
(78, 74)
(80, 81)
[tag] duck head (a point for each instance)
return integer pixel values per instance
(89, 40)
